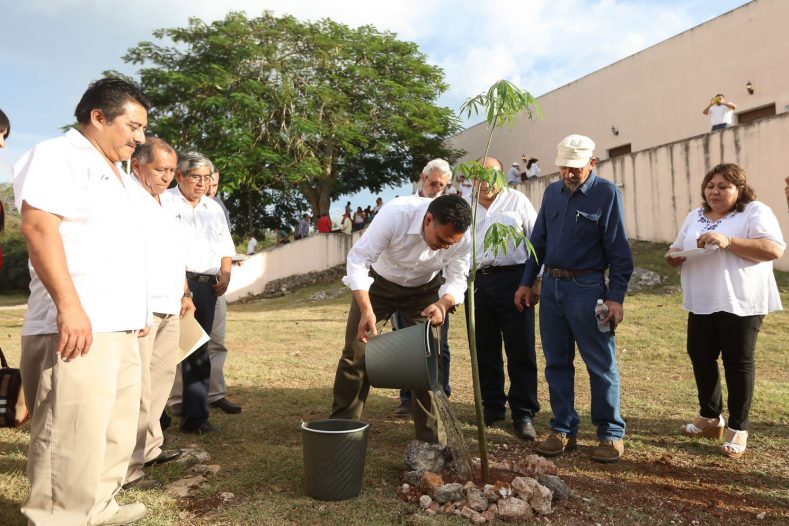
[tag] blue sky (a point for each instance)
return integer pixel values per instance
(51, 49)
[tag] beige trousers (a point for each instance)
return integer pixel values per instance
(84, 419)
(217, 353)
(159, 359)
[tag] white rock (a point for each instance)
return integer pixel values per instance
(513, 508)
(541, 500)
(425, 501)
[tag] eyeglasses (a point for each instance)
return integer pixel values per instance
(197, 178)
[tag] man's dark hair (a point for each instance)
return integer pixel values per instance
(144, 152)
(5, 124)
(451, 209)
(109, 95)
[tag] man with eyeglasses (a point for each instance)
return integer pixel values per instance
(578, 235)
(209, 251)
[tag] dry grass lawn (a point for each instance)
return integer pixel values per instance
(281, 369)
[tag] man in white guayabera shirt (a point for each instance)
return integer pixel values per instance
(88, 300)
(396, 267)
(209, 252)
(153, 165)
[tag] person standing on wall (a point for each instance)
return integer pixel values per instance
(720, 111)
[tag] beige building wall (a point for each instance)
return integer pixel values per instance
(661, 185)
(316, 253)
(657, 95)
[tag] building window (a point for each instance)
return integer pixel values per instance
(755, 114)
(619, 150)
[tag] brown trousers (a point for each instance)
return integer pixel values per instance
(84, 419)
(159, 359)
(351, 385)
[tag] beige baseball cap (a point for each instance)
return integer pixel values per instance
(574, 151)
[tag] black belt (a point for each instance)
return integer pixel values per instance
(567, 274)
(201, 278)
(501, 268)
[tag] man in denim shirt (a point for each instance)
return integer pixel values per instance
(578, 235)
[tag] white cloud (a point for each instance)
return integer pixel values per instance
(53, 48)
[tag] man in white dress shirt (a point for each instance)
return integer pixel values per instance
(88, 300)
(396, 266)
(498, 277)
(209, 252)
(153, 165)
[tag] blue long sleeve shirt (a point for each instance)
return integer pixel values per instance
(583, 230)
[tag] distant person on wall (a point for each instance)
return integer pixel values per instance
(324, 223)
(514, 174)
(720, 111)
(532, 168)
(346, 225)
(348, 209)
(5, 129)
(252, 244)
(378, 204)
(727, 293)
(303, 230)
(358, 219)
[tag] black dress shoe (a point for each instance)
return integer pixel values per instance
(524, 429)
(202, 429)
(491, 419)
(227, 406)
(165, 456)
(143, 483)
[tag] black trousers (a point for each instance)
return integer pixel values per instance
(196, 368)
(734, 338)
(498, 320)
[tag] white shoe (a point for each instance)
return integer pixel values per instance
(126, 514)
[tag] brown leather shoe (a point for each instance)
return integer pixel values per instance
(608, 451)
(403, 410)
(556, 444)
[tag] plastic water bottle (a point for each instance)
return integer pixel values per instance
(600, 312)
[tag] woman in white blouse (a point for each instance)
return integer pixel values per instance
(727, 290)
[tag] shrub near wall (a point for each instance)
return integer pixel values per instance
(14, 276)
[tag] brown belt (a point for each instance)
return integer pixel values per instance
(567, 274)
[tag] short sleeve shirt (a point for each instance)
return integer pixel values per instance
(204, 229)
(100, 229)
(723, 281)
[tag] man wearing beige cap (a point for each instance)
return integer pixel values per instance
(578, 235)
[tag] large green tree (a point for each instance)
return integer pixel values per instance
(283, 105)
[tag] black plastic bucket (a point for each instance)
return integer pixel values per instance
(403, 359)
(334, 452)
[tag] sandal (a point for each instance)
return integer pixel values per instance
(704, 428)
(735, 443)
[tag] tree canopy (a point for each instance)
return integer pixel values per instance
(294, 111)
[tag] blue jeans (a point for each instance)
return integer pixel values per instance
(566, 317)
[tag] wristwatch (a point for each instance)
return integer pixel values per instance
(188, 294)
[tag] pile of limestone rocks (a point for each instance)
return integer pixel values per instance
(531, 492)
